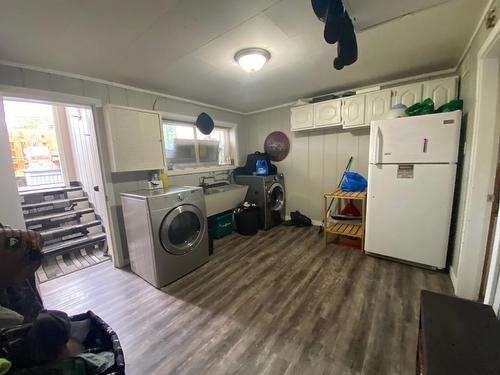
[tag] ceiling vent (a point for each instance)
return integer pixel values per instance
(370, 13)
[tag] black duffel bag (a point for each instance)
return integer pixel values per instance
(300, 220)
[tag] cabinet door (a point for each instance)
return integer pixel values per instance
(353, 111)
(441, 91)
(134, 138)
(328, 113)
(302, 117)
(407, 95)
(378, 103)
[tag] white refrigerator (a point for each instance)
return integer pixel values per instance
(411, 181)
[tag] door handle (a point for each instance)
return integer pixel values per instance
(424, 149)
(96, 188)
(376, 149)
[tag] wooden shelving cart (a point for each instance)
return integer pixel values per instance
(341, 229)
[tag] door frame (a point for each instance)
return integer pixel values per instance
(55, 98)
(482, 170)
(11, 213)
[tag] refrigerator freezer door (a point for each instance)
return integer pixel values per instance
(419, 139)
(409, 211)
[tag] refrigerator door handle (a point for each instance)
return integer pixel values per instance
(376, 149)
(424, 149)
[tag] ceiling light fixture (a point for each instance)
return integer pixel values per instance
(252, 59)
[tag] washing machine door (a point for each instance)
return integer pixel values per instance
(276, 197)
(182, 229)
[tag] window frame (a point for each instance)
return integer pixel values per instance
(181, 169)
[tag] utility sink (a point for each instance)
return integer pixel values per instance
(224, 198)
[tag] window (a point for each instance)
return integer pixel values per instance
(186, 146)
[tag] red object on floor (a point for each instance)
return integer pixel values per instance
(350, 242)
(350, 209)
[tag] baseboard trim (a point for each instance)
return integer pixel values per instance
(453, 277)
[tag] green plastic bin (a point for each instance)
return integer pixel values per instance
(221, 225)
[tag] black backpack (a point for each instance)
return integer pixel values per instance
(300, 220)
(250, 168)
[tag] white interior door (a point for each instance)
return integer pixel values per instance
(11, 212)
(492, 293)
(86, 158)
(419, 139)
(409, 211)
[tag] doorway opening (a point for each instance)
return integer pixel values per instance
(57, 169)
(33, 144)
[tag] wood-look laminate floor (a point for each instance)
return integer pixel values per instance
(276, 303)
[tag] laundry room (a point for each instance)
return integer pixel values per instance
(262, 187)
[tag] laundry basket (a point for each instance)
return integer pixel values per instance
(100, 337)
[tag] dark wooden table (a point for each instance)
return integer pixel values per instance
(457, 336)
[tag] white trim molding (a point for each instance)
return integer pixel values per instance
(115, 84)
(481, 178)
(51, 97)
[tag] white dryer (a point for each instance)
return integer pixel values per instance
(167, 233)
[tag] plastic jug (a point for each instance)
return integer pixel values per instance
(164, 179)
(261, 168)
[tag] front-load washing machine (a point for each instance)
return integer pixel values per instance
(167, 232)
(268, 193)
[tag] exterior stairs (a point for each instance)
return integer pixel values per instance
(65, 218)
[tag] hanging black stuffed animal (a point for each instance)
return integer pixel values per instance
(347, 47)
(333, 21)
(338, 29)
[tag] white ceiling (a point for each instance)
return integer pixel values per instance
(186, 47)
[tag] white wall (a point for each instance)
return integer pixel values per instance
(316, 160)
(117, 182)
(10, 204)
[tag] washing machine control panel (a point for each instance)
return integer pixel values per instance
(167, 201)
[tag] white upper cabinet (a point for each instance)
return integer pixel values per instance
(302, 117)
(134, 139)
(441, 91)
(328, 113)
(407, 95)
(378, 103)
(359, 110)
(353, 111)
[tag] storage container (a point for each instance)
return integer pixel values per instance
(221, 225)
